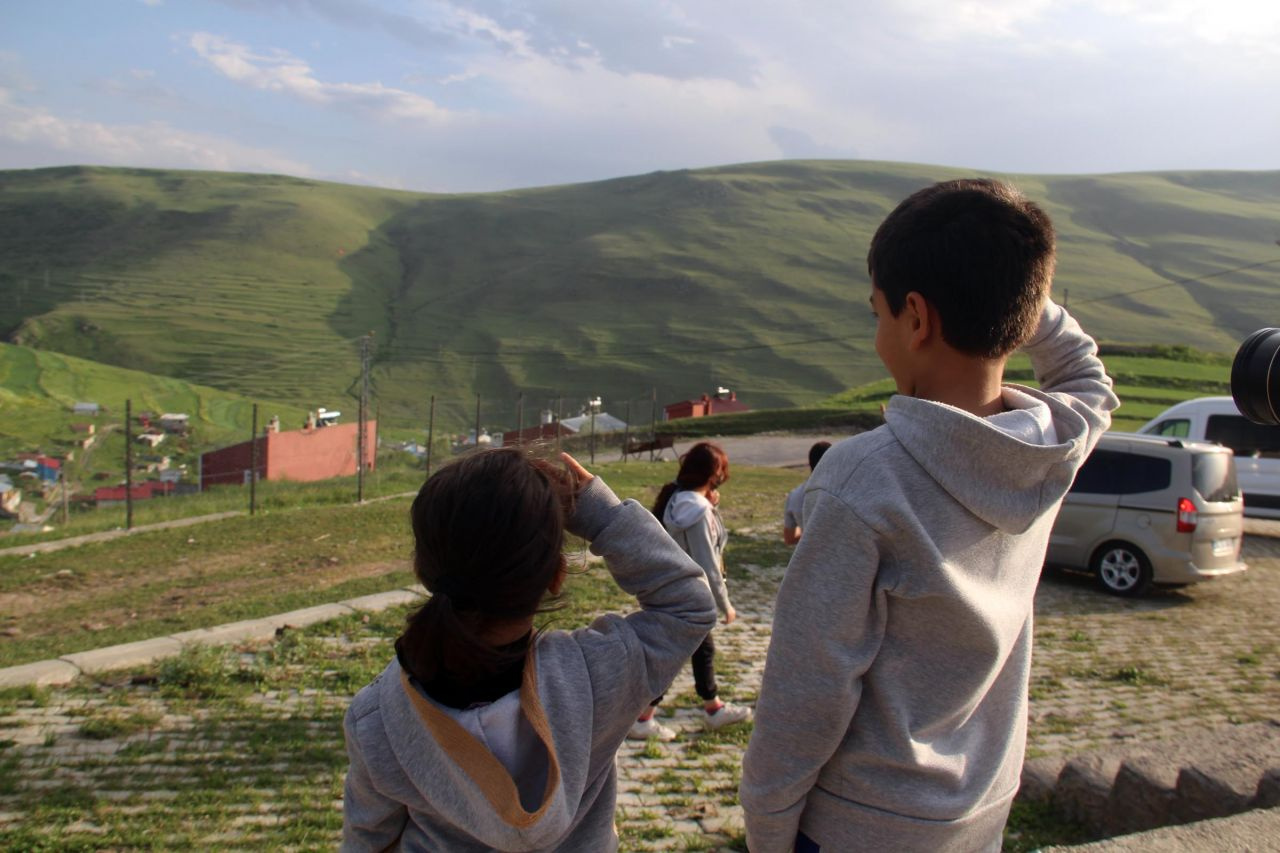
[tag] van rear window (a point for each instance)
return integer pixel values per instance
(1244, 437)
(1214, 477)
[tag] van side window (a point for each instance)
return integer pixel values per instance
(1172, 428)
(1244, 437)
(1145, 474)
(1100, 473)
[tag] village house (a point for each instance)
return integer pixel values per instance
(113, 495)
(175, 423)
(86, 408)
(725, 402)
(301, 455)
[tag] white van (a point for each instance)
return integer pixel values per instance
(1257, 447)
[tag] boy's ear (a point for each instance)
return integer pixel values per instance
(920, 318)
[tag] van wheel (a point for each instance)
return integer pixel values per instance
(1122, 569)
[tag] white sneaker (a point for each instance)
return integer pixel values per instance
(651, 728)
(727, 715)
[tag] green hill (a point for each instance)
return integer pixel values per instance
(749, 276)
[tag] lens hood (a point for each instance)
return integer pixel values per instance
(1255, 377)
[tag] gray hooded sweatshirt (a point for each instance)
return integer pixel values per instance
(696, 526)
(892, 714)
(421, 780)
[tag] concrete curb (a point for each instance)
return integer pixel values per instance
(108, 535)
(68, 668)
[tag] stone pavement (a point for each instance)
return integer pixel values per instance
(1106, 670)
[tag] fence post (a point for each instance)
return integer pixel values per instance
(128, 464)
(431, 429)
(653, 423)
(626, 432)
(253, 464)
(520, 418)
(559, 418)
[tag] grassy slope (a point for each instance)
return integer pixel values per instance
(259, 283)
(38, 389)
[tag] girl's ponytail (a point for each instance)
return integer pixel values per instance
(664, 498)
(489, 536)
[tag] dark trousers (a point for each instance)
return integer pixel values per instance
(704, 671)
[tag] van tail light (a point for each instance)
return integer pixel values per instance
(1187, 516)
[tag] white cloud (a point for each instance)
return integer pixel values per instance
(154, 144)
(279, 71)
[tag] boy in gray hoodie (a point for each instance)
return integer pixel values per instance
(892, 714)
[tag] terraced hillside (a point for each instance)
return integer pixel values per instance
(749, 276)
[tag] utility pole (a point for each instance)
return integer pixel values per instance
(431, 427)
(364, 411)
(253, 463)
(128, 464)
(1065, 293)
(592, 404)
(559, 418)
(477, 420)
(626, 432)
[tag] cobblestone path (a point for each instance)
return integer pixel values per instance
(266, 770)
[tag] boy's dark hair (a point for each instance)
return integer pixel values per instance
(701, 464)
(488, 534)
(979, 251)
(817, 452)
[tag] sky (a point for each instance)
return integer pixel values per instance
(478, 95)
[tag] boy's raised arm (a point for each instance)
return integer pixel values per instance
(1066, 364)
(827, 629)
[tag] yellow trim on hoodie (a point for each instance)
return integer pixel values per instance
(478, 762)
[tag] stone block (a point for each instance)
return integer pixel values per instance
(1039, 777)
(1084, 788)
(382, 600)
(124, 656)
(1268, 793)
(310, 615)
(1142, 795)
(40, 674)
(244, 631)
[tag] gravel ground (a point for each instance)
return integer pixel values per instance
(1105, 670)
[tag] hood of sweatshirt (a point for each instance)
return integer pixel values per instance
(1037, 444)
(457, 778)
(685, 509)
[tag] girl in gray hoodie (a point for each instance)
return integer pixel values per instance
(689, 511)
(483, 734)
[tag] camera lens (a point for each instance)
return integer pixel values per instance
(1255, 377)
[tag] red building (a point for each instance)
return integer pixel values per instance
(110, 495)
(541, 432)
(302, 455)
(705, 405)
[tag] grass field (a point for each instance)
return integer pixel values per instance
(750, 276)
(156, 583)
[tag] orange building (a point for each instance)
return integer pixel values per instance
(301, 455)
